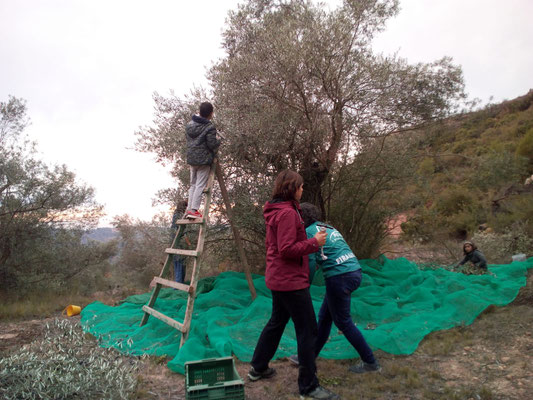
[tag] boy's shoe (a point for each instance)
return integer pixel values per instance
(294, 359)
(320, 393)
(193, 214)
(363, 367)
(255, 375)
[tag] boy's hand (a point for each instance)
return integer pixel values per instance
(321, 238)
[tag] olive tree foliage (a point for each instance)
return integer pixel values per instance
(301, 88)
(43, 212)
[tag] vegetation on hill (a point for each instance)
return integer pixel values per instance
(471, 177)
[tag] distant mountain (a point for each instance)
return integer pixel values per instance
(101, 235)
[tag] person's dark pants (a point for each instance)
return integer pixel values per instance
(179, 269)
(336, 309)
(296, 305)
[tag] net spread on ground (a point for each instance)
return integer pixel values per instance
(397, 304)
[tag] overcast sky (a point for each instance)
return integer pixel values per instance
(88, 70)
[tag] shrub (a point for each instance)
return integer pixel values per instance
(525, 147)
(426, 167)
(515, 209)
(499, 247)
(454, 201)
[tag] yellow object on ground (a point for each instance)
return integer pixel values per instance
(73, 310)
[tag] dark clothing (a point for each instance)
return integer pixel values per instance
(476, 257)
(336, 309)
(179, 261)
(297, 305)
(287, 275)
(287, 246)
(202, 142)
(179, 269)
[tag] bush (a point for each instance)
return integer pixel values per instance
(426, 167)
(515, 209)
(498, 248)
(525, 147)
(454, 201)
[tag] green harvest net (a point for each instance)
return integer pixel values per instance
(396, 306)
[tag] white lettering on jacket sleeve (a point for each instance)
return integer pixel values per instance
(344, 257)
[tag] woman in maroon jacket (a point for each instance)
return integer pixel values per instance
(287, 276)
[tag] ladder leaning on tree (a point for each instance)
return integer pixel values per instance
(160, 281)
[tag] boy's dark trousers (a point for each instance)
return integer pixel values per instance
(297, 305)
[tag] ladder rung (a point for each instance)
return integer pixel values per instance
(164, 318)
(172, 284)
(188, 221)
(181, 252)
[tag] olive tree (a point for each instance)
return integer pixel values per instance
(300, 87)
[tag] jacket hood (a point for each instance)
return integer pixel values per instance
(273, 207)
(197, 126)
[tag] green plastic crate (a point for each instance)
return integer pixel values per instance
(214, 378)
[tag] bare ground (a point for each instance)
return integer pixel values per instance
(490, 359)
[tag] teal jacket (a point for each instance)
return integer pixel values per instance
(340, 258)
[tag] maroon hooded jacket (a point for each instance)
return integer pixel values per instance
(287, 246)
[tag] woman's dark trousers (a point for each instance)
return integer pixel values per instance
(296, 305)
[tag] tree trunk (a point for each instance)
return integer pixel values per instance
(313, 177)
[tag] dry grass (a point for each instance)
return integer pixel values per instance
(39, 305)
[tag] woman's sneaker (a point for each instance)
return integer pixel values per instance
(255, 375)
(320, 393)
(363, 367)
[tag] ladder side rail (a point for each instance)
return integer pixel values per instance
(196, 265)
(236, 233)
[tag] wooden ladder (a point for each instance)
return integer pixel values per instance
(160, 281)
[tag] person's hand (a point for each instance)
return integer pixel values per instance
(321, 238)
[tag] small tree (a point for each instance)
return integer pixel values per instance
(43, 212)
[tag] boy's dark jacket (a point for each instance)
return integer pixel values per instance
(287, 246)
(476, 257)
(202, 142)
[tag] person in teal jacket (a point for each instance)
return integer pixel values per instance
(342, 274)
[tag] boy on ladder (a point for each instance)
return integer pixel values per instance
(202, 145)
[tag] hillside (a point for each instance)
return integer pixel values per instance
(101, 234)
(471, 175)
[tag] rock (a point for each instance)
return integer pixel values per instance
(506, 359)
